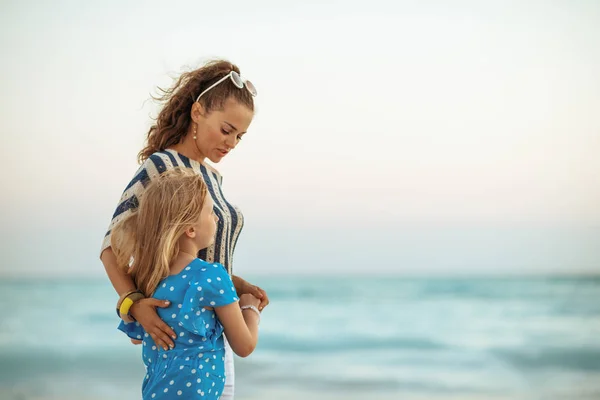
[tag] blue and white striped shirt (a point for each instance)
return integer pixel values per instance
(230, 221)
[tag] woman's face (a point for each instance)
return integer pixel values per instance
(218, 132)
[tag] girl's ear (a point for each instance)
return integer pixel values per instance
(190, 232)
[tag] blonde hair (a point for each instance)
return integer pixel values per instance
(146, 242)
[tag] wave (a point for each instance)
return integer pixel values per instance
(575, 358)
(17, 365)
(20, 362)
(345, 344)
(522, 288)
(367, 385)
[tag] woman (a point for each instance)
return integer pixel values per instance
(205, 115)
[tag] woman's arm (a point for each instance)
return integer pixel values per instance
(144, 311)
(121, 281)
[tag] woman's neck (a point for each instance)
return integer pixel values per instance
(189, 148)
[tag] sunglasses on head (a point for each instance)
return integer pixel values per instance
(237, 81)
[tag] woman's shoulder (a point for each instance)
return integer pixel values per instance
(167, 159)
(161, 161)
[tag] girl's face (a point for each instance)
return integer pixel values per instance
(206, 227)
(218, 132)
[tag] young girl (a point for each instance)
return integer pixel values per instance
(158, 245)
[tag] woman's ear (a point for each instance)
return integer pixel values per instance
(198, 113)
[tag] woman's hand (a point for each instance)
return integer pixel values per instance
(243, 287)
(144, 312)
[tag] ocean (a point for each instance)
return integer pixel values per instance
(330, 338)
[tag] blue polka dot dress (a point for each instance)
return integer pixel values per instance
(195, 368)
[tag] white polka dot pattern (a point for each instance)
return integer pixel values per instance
(199, 345)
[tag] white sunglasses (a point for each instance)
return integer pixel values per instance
(237, 81)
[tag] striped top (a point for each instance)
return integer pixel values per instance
(230, 221)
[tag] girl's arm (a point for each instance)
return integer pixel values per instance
(241, 326)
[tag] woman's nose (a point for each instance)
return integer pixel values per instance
(231, 141)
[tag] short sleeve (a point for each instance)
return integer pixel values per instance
(133, 329)
(211, 287)
(217, 287)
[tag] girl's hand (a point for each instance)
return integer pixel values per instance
(144, 312)
(249, 300)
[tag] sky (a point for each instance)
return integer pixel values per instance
(391, 137)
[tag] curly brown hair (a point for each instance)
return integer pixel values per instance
(174, 118)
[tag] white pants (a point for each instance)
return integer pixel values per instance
(229, 373)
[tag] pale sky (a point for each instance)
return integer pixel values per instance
(391, 136)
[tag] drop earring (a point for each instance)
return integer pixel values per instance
(195, 132)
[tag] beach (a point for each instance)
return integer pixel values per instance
(330, 338)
